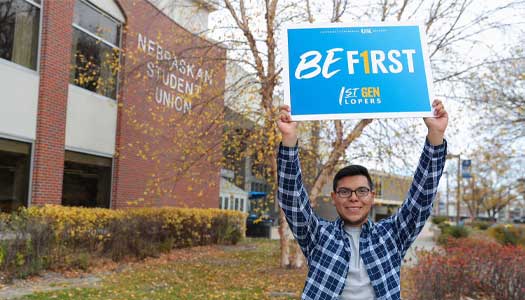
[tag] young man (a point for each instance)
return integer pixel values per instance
(353, 257)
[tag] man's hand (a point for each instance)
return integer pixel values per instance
(287, 127)
(438, 124)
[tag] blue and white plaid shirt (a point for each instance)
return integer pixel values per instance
(382, 245)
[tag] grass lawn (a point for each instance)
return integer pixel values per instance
(248, 270)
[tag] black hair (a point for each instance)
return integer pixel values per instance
(353, 170)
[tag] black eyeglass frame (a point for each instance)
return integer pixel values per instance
(361, 192)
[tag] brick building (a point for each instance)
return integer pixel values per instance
(108, 103)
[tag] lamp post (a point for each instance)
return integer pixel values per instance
(521, 186)
(446, 201)
(458, 197)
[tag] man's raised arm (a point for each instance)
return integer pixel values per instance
(415, 210)
(292, 195)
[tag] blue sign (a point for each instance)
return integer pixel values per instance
(335, 71)
(465, 168)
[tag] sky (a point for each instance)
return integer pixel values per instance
(461, 135)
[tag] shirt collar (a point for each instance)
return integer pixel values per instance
(364, 228)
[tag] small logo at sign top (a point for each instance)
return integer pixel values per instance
(366, 30)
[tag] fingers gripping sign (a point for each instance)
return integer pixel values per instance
(287, 126)
(438, 124)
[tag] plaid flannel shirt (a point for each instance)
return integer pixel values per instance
(382, 245)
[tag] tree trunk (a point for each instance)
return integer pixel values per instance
(328, 169)
(285, 253)
(298, 257)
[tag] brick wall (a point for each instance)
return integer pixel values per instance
(169, 136)
(168, 154)
(48, 166)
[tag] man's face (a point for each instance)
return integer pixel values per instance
(353, 209)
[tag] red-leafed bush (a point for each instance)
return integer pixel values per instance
(469, 268)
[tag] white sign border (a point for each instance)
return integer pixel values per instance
(286, 72)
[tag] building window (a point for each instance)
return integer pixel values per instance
(87, 180)
(226, 202)
(242, 204)
(220, 203)
(236, 203)
(19, 31)
(95, 61)
(15, 160)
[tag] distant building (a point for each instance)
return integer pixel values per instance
(242, 167)
(232, 197)
(242, 115)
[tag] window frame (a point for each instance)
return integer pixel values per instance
(39, 46)
(96, 37)
(98, 155)
(31, 160)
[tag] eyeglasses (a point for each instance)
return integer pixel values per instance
(360, 192)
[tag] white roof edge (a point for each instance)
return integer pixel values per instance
(229, 187)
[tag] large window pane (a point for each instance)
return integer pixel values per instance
(95, 22)
(87, 180)
(14, 174)
(95, 56)
(19, 28)
(95, 65)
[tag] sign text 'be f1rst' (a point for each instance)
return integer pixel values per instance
(376, 59)
(356, 72)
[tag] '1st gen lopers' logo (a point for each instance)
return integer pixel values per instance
(360, 95)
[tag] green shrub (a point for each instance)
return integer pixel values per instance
(508, 234)
(456, 231)
(451, 231)
(439, 219)
(481, 225)
(444, 225)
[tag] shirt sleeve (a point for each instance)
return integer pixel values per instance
(415, 210)
(294, 200)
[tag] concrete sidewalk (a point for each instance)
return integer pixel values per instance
(425, 241)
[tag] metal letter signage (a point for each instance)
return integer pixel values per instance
(338, 71)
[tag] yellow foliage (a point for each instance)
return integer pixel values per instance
(78, 222)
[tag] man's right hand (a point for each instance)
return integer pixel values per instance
(287, 127)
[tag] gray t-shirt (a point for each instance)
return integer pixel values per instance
(357, 285)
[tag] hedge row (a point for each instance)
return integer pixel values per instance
(470, 268)
(56, 236)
